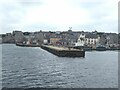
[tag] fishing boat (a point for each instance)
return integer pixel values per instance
(27, 45)
(100, 48)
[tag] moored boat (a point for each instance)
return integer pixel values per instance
(27, 45)
(101, 48)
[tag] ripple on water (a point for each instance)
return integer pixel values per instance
(34, 67)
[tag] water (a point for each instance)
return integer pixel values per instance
(28, 67)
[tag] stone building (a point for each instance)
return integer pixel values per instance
(112, 39)
(39, 37)
(19, 37)
(8, 38)
(54, 40)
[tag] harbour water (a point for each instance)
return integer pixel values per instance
(28, 67)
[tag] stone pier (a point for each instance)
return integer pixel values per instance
(64, 52)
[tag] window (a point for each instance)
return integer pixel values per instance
(92, 40)
(88, 40)
(95, 42)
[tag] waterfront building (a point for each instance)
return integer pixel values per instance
(103, 39)
(88, 39)
(19, 37)
(62, 42)
(71, 37)
(39, 37)
(91, 39)
(45, 41)
(112, 40)
(54, 40)
(26, 36)
(7, 38)
(81, 40)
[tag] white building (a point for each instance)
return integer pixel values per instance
(89, 39)
(45, 41)
(81, 40)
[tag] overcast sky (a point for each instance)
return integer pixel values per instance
(59, 15)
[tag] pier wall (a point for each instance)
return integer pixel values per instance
(65, 53)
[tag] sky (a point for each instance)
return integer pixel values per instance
(58, 15)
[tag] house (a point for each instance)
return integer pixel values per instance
(103, 39)
(45, 41)
(91, 39)
(26, 36)
(54, 40)
(62, 42)
(29, 38)
(81, 40)
(38, 37)
(18, 36)
(8, 38)
(88, 39)
(112, 40)
(71, 37)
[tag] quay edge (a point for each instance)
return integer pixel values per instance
(64, 52)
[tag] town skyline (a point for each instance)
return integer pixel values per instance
(59, 31)
(66, 36)
(55, 15)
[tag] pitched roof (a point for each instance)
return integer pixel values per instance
(90, 35)
(63, 40)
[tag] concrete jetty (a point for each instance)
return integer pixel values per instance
(64, 52)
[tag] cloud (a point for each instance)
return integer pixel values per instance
(57, 13)
(48, 15)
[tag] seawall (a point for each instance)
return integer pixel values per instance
(64, 52)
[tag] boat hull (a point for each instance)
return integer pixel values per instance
(25, 45)
(100, 49)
